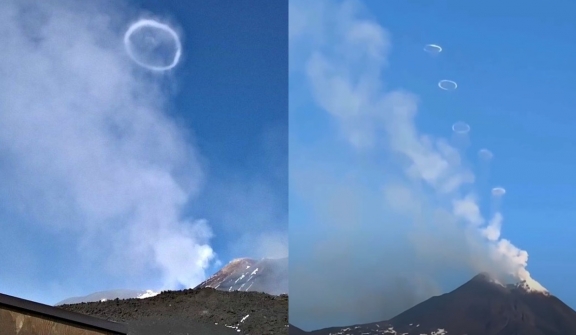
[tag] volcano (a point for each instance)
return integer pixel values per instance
(268, 275)
(482, 306)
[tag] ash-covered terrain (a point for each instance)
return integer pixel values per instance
(195, 311)
(482, 306)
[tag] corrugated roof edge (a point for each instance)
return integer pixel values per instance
(72, 317)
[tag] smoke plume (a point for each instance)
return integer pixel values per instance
(88, 157)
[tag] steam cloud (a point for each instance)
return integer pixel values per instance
(375, 258)
(86, 150)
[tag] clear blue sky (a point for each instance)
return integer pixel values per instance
(515, 65)
(106, 153)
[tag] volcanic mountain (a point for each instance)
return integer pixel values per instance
(293, 330)
(268, 275)
(481, 306)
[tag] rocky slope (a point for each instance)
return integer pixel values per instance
(195, 311)
(269, 275)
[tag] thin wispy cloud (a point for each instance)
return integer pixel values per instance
(408, 211)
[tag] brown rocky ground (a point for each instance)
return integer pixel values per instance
(195, 311)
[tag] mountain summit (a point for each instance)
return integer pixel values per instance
(481, 306)
(268, 275)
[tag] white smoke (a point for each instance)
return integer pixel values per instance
(341, 53)
(87, 150)
(346, 82)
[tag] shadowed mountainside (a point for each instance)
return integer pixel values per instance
(479, 307)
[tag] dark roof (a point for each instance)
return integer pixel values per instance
(63, 315)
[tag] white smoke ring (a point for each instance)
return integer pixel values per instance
(461, 128)
(498, 191)
(155, 24)
(447, 85)
(485, 154)
(433, 48)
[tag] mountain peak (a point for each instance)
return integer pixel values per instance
(528, 285)
(483, 305)
(484, 277)
(269, 275)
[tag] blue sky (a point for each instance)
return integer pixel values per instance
(119, 177)
(232, 94)
(360, 167)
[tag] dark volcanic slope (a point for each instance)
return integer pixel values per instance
(296, 331)
(479, 307)
(269, 275)
(185, 312)
(485, 308)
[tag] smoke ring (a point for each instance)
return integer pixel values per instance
(485, 154)
(498, 191)
(154, 24)
(447, 85)
(460, 127)
(433, 48)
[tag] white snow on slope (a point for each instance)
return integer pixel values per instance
(369, 330)
(148, 294)
(269, 275)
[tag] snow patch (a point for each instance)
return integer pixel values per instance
(148, 294)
